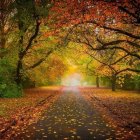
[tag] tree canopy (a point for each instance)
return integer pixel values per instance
(35, 36)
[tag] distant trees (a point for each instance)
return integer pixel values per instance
(50, 72)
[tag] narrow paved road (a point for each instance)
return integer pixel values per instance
(70, 118)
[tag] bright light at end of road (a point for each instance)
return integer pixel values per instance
(72, 80)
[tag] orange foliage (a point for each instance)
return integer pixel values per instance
(68, 12)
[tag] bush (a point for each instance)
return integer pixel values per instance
(10, 91)
(105, 81)
(8, 87)
(137, 82)
(131, 83)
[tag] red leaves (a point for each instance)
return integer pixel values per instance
(121, 109)
(24, 111)
(66, 12)
(51, 33)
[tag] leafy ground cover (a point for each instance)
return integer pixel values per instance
(120, 108)
(17, 113)
(71, 117)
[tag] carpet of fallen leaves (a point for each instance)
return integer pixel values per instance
(18, 113)
(120, 108)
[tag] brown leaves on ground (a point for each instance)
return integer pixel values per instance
(120, 108)
(17, 113)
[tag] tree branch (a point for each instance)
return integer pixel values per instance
(39, 61)
(101, 62)
(31, 39)
(112, 29)
(129, 69)
(119, 59)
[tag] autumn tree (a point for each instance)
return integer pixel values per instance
(107, 15)
(109, 58)
(27, 18)
(28, 23)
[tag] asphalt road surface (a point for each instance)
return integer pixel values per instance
(71, 117)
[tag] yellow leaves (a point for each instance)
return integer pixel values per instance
(91, 133)
(78, 137)
(120, 80)
(56, 68)
(121, 53)
(103, 70)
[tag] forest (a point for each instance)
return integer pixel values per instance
(39, 37)
(86, 47)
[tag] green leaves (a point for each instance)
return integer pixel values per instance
(8, 87)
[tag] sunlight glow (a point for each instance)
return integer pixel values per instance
(72, 80)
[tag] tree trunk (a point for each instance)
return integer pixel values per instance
(2, 43)
(114, 78)
(19, 63)
(97, 81)
(19, 73)
(2, 47)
